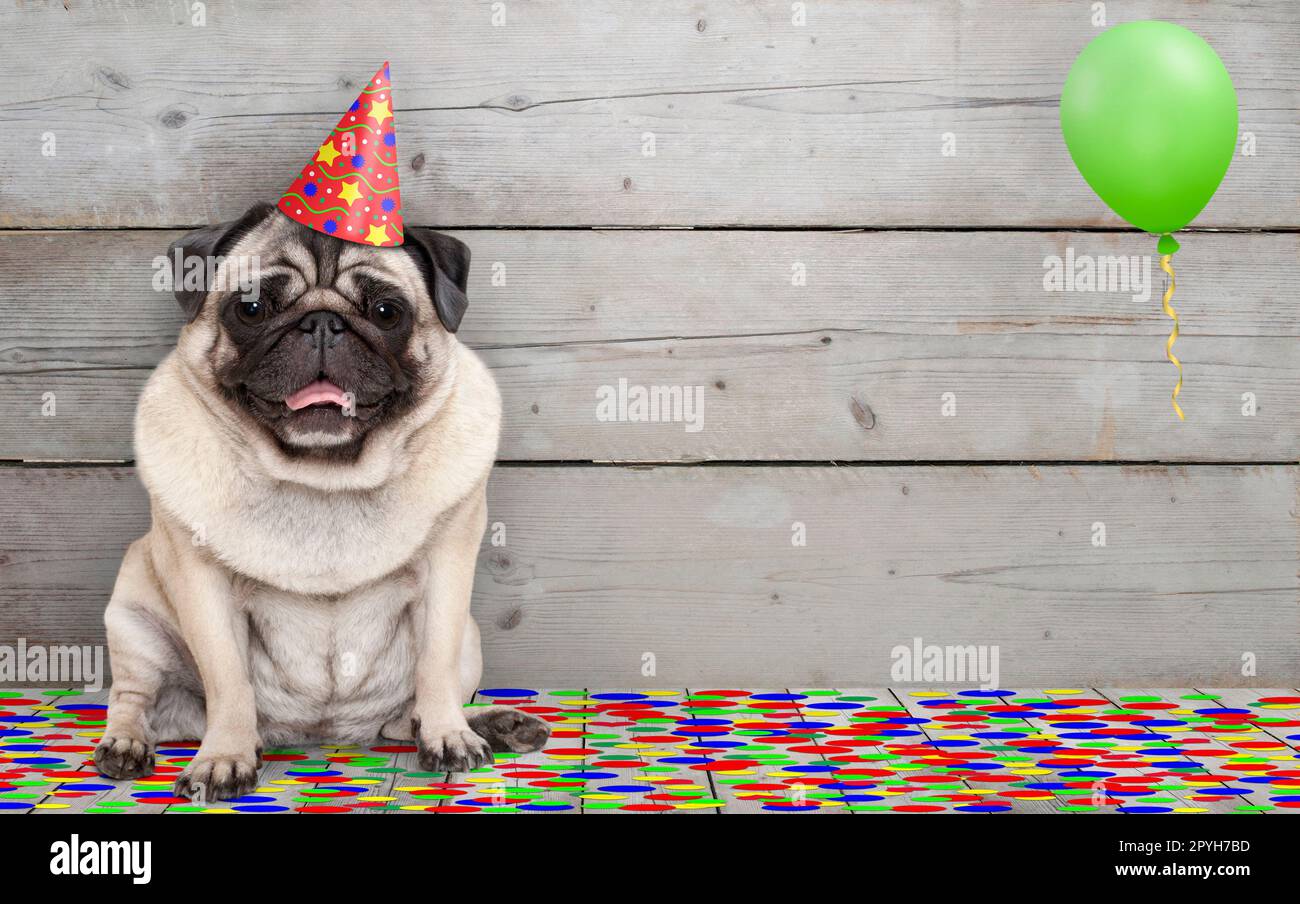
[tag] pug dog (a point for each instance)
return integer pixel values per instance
(316, 453)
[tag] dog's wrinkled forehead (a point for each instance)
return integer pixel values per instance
(306, 260)
(429, 268)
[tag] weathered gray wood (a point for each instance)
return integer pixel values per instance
(851, 366)
(697, 566)
(542, 120)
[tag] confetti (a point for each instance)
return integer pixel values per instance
(778, 752)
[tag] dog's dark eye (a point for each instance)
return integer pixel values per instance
(386, 314)
(251, 312)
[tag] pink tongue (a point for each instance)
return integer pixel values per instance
(314, 393)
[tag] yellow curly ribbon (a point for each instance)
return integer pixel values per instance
(1173, 336)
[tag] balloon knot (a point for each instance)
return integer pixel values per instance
(1168, 244)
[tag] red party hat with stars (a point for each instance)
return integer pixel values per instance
(349, 188)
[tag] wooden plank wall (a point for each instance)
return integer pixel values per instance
(839, 276)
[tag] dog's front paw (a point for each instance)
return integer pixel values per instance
(123, 757)
(450, 748)
(217, 777)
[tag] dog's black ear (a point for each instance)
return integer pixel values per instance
(209, 241)
(444, 262)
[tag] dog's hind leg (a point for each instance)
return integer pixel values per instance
(507, 729)
(504, 729)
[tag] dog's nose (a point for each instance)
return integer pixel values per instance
(323, 326)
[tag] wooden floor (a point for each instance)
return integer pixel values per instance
(900, 750)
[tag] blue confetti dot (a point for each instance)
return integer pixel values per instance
(812, 767)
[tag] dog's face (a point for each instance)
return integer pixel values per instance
(319, 340)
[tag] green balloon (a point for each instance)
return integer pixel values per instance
(1150, 117)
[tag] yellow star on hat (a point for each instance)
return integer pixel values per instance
(327, 153)
(379, 111)
(348, 193)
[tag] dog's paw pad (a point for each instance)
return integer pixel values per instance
(123, 757)
(511, 730)
(451, 750)
(217, 778)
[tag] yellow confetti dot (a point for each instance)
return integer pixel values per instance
(1057, 691)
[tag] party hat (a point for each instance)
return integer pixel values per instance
(349, 189)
